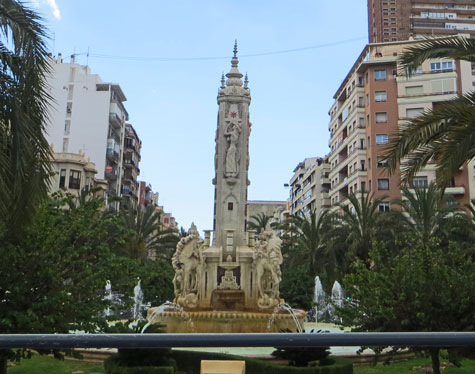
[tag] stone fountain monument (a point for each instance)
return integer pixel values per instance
(231, 284)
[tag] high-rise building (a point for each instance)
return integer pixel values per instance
(370, 105)
(310, 186)
(130, 185)
(396, 20)
(88, 115)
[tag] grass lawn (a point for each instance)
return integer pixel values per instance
(409, 366)
(48, 365)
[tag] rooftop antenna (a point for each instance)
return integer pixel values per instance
(87, 58)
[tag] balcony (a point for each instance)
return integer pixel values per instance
(455, 190)
(112, 154)
(111, 173)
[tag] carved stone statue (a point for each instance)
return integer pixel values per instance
(267, 260)
(188, 263)
(232, 155)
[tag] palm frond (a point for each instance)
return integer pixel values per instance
(459, 48)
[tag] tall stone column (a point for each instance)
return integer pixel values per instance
(231, 163)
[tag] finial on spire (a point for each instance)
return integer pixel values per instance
(223, 81)
(246, 81)
(235, 48)
(234, 76)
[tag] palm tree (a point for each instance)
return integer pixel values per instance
(361, 219)
(24, 152)
(146, 234)
(259, 222)
(445, 134)
(424, 212)
(308, 231)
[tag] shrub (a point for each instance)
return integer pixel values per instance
(189, 362)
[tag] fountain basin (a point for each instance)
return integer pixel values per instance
(221, 321)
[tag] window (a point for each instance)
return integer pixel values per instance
(383, 184)
(414, 112)
(62, 178)
(74, 179)
(384, 206)
(414, 90)
(230, 206)
(65, 144)
(419, 182)
(380, 75)
(363, 186)
(380, 163)
(443, 86)
(381, 139)
(381, 117)
(67, 127)
(441, 67)
(380, 96)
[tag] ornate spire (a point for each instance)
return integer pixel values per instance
(223, 81)
(246, 81)
(234, 76)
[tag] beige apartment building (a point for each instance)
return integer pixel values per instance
(310, 186)
(395, 20)
(373, 100)
(74, 173)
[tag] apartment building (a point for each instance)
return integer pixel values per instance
(131, 159)
(310, 186)
(73, 173)
(395, 20)
(371, 103)
(88, 115)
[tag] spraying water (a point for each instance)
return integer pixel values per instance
(168, 306)
(285, 307)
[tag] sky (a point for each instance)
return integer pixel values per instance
(168, 57)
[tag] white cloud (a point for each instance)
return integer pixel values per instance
(54, 8)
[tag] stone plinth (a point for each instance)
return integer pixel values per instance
(223, 367)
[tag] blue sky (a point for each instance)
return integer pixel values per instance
(172, 104)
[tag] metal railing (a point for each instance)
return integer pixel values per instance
(406, 339)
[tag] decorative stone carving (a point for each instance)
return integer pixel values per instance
(232, 155)
(228, 281)
(267, 259)
(188, 263)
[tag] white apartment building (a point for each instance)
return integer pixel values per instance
(88, 116)
(310, 186)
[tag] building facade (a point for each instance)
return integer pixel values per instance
(397, 20)
(73, 173)
(88, 115)
(131, 160)
(310, 186)
(370, 105)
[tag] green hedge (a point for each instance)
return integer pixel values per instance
(189, 362)
(111, 366)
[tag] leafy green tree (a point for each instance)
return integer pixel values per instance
(53, 279)
(445, 134)
(361, 219)
(259, 222)
(424, 288)
(24, 151)
(296, 287)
